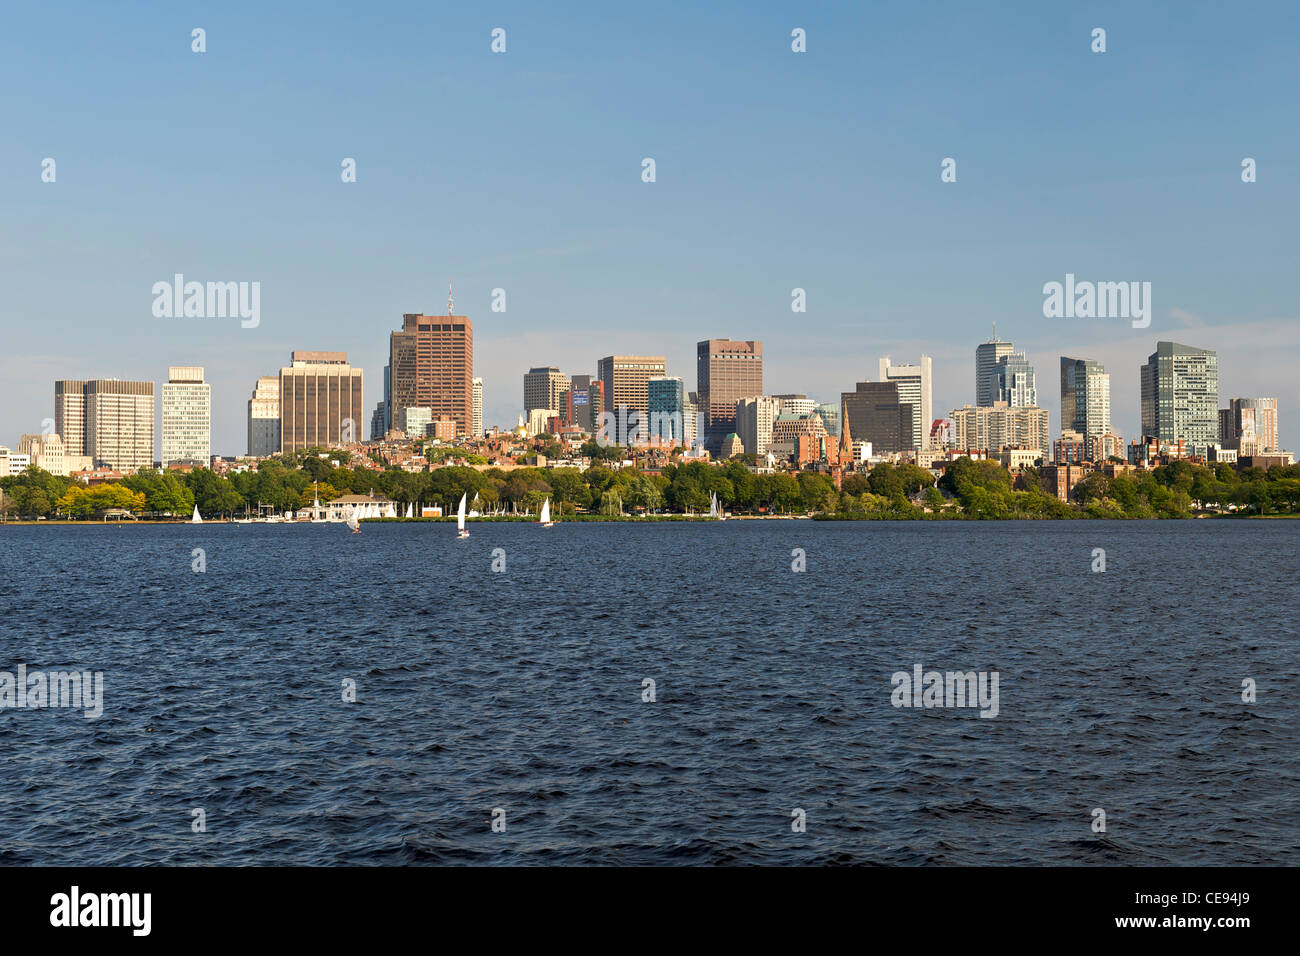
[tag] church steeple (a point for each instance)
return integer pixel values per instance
(846, 439)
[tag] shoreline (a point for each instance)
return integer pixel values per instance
(643, 519)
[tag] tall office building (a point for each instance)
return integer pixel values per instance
(915, 389)
(108, 421)
(264, 417)
(987, 355)
(1180, 395)
(874, 413)
(668, 411)
(1247, 424)
(754, 419)
(625, 381)
(119, 419)
(388, 398)
(544, 387)
(476, 407)
(1012, 381)
(186, 417)
(70, 415)
(579, 408)
(432, 362)
(725, 372)
(1085, 397)
(320, 401)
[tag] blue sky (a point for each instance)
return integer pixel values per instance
(522, 171)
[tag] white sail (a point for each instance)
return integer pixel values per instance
(352, 518)
(410, 510)
(460, 515)
(546, 512)
(713, 505)
(196, 519)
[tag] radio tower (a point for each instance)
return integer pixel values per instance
(449, 298)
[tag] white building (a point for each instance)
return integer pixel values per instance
(915, 388)
(186, 416)
(414, 420)
(264, 418)
(476, 408)
(796, 404)
(45, 452)
(754, 419)
(537, 419)
(12, 463)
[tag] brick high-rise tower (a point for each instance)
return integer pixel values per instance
(432, 362)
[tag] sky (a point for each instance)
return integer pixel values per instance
(522, 171)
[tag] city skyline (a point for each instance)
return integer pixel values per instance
(887, 378)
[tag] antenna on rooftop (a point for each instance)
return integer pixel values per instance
(449, 298)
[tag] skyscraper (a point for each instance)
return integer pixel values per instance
(987, 355)
(1249, 425)
(476, 414)
(119, 424)
(432, 363)
(755, 417)
(667, 403)
(580, 409)
(625, 381)
(874, 413)
(1085, 397)
(915, 389)
(70, 415)
(320, 401)
(1180, 395)
(186, 417)
(725, 372)
(108, 420)
(264, 417)
(1012, 381)
(544, 387)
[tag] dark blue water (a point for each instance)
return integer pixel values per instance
(522, 690)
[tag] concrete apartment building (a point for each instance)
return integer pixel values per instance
(186, 417)
(320, 401)
(1000, 426)
(431, 363)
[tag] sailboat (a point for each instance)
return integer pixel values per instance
(196, 519)
(545, 518)
(460, 519)
(714, 510)
(352, 521)
(410, 510)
